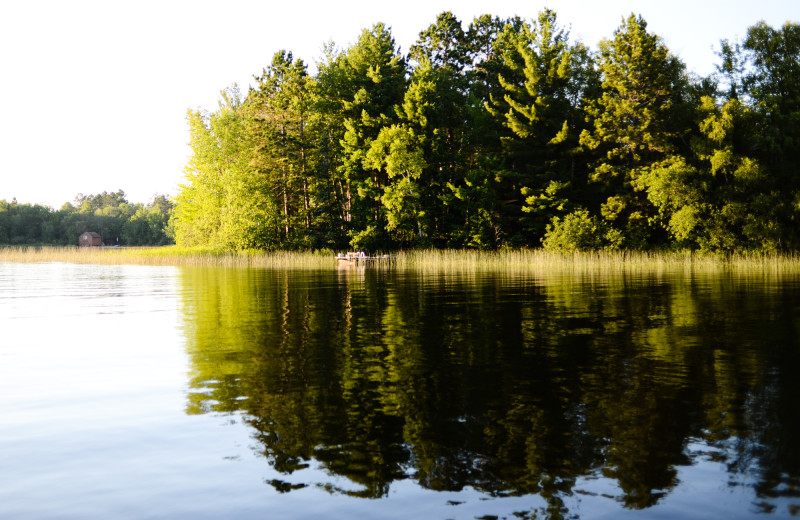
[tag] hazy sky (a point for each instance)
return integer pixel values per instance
(93, 94)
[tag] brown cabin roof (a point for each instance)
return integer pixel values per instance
(92, 234)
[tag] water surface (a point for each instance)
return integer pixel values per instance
(142, 392)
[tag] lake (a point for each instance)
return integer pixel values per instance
(186, 392)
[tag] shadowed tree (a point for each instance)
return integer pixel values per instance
(544, 86)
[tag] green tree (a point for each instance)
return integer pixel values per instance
(222, 203)
(150, 224)
(487, 202)
(495, 135)
(440, 107)
(773, 86)
(723, 199)
(397, 151)
(732, 193)
(331, 191)
(774, 56)
(580, 231)
(443, 44)
(374, 75)
(637, 123)
(276, 121)
(92, 203)
(544, 85)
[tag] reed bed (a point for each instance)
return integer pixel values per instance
(168, 255)
(512, 261)
(538, 260)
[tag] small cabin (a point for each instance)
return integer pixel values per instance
(90, 239)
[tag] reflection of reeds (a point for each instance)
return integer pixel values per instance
(420, 260)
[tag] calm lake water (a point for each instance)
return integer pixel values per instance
(161, 392)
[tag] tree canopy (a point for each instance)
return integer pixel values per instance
(107, 213)
(504, 133)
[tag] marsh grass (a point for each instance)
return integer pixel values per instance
(168, 255)
(596, 262)
(512, 261)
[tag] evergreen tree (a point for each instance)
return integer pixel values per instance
(773, 86)
(439, 106)
(277, 110)
(774, 56)
(374, 77)
(638, 122)
(544, 88)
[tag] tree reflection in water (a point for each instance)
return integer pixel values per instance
(506, 384)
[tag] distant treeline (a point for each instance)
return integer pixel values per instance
(505, 133)
(108, 214)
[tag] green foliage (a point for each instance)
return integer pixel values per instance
(502, 134)
(212, 204)
(774, 55)
(637, 116)
(544, 80)
(109, 214)
(150, 225)
(580, 231)
(639, 121)
(542, 206)
(276, 124)
(397, 151)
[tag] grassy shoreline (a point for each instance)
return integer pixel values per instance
(166, 256)
(424, 260)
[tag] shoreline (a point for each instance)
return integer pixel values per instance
(532, 260)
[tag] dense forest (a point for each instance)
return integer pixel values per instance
(506, 133)
(109, 214)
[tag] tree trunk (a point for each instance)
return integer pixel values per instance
(303, 172)
(284, 175)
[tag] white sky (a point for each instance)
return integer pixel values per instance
(93, 94)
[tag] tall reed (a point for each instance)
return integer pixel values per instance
(538, 260)
(169, 255)
(450, 260)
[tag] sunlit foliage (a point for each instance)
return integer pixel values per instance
(504, 133)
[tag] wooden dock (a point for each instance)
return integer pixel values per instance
(359, 258)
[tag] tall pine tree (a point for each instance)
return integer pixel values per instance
(637, 123)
